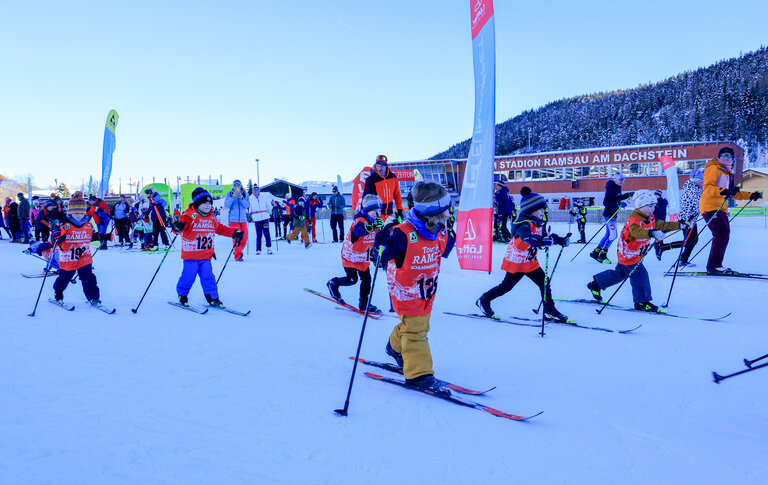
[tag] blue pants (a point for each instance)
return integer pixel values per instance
(610, 233)
(641, 285)
(192, 268)
(262, 227)
(25, 229)
(87, 279)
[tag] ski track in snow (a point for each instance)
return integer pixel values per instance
(166, 396)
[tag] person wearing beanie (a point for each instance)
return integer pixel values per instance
(238, 205)
(314, 204)
(689, 213)
(73, 243)
(579, 211)
(277, 217)
(261, 206)
(504, 206)
(336, 204)
(12, 217)
(718, 186)
(23, 213)
(528, 235)
(612, 203)
(34, 213)
(99, 212)
(3, 225)
(289, 204)
(639, 232)
(198, 228)
(299, 215)
(412, 253)
(384, 183)
(356, 252)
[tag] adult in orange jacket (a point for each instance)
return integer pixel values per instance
(383, 182)
(718, 185)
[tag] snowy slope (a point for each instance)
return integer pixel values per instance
(167, 396)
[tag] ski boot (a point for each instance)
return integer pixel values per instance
(214, 302)
(683, 264)
(59, 296)
(95, 302)
(604, 256)
(428, 383)
(646, 306)
(550, 312)
(595, 289)
(596, 254)
(372, 309)
(183, 300)
(395, 355)
(333, 290)
(269, 250)
(258, 252)
(720, 270)
(484, 304)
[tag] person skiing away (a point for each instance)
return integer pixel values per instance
(336, 204)
(689, 211)
(313, 206)
(528, 235)
(73, 243)
(579, 211)
(23, 214)
(99, 212)
(638, 233)
(356, 252)
(504, 209)
(238, 204)
(719, 184)
(660, 214)
(260, 207)
(158, 215)
(299, 215)
(277, 217)
(412, 253)
(383, 182)
(613, 201)
(198, 227)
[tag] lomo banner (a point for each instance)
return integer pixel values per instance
(106, 152)
(474, 226)
(673, 187)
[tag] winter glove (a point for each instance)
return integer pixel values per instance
(238, 237)
(177, 227)
(562, 241)
(378, 223)
(756, 195)
(58, 236)
(400, 217)
(657, 234)
(545, 241)
(730, 192)
(450, 223)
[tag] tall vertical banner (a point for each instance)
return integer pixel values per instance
(673, 186)
(474, 226)
(107, 151)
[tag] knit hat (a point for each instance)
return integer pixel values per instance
(697, 175)
(301, 199)
(76, 207)
(643, 198)
(335, 189)
(255, 188)
(382, 159)
(658, 193)
(725, 150)
(237, 182)
(200, 196)
(618, 177)
(531, 201)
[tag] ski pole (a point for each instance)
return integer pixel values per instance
(322, 227)
(713, 237)
(225, 264)
(598, 232)
(47, 267)
(557, 260)
(647, 249)
(134, 310)
(677, 263)
(717, 377)
(343, 412)
(705, 225)
(749, 363)
(544, 290)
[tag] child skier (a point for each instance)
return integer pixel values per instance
(299, 215)
(520, 258)
(356, 252)
(411, 253)
(198, 226)
(73, 239)
(580, 213)
(638, 233)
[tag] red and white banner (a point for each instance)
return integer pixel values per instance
(358, 186)
(474, 226)
(673, 187)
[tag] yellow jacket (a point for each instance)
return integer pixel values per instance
(717, 178)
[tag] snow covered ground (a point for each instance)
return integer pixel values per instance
(167, 396)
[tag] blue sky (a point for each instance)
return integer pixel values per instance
(314, 89)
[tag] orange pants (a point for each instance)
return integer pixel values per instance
(241, 226)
